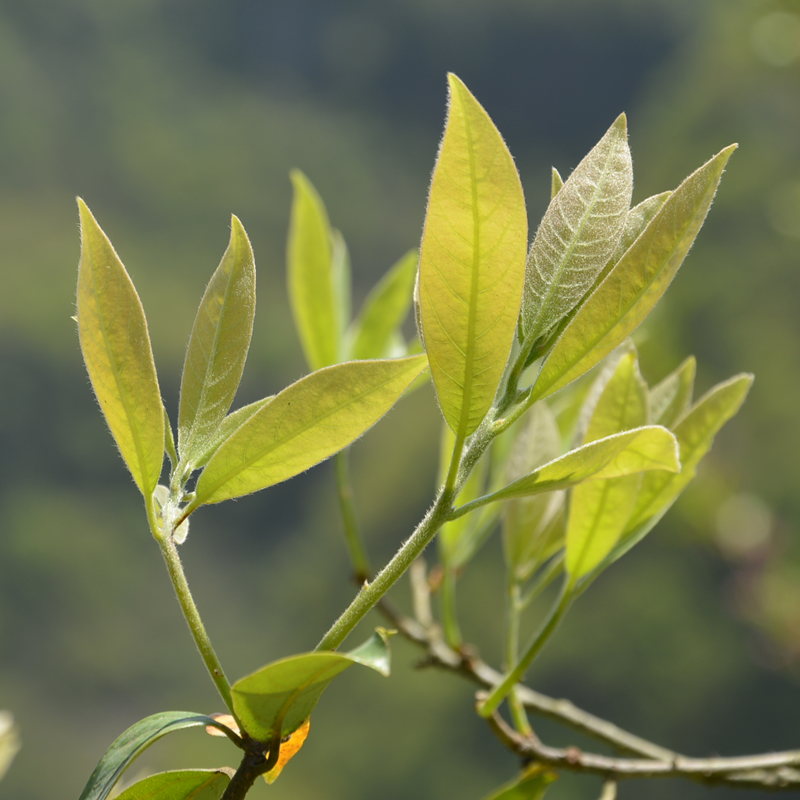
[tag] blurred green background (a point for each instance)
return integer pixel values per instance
(167, 116)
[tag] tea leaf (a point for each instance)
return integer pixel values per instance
(285, 692)
(385, 309)
(313, 292)
(531, 785)
(599, 510)
(695, 434)
(471, 262)
(131, 743)
(182, 785)
(218, 346)
(305, 424)
(118, 355)
(635, 284)
(648, 448)
(578, 233)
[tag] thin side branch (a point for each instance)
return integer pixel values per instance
(779, 771)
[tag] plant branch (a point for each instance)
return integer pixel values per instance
(777, 771)
(371, 593)
(192, 616)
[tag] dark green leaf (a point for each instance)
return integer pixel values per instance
(131, 744)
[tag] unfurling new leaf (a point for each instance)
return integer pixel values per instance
(578, 233)
(118, 355)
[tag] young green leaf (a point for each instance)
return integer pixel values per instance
(218, 346)
(599, 510)
(313, 288)
(183, 785)
(303, 425)
(472, 262)
(285, 692)
(629, 292)
(649, 448)
(695, 434)
(231, 423)
(131, 744)
(578, 233)
(638, 219)
(385, 309)
(672, 398)
(530, 785)
(341, 279)
(528, 521)
(118, 355)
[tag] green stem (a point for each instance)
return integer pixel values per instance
(371, 593)
(513, 608)
(355, 547)
(190, 613)
(452, 633)
(503, 689)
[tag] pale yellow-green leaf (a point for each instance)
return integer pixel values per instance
(695, 434)
(305, 424)
(312, 285)
(9, 741)
(218, 347)
(472, 262)
(638, 219)
(527, 520)
(118, 355)
(629, 292)
(578, 233)
(599, 510)
(385, 308)
(672, 398)
(233, 421)
(649, 448)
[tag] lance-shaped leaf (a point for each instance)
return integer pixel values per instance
(472, 262)
(303, 425)
(578, 233)
(527, 521)
(313, 287)
(180, 785)
(599, 510)
(283, 694)
(639, 279)
(118, 355)
(385, 309)
(131, 744)
(218, 346)
(649, 448)
(695, 434)
(672, 398)
(556, 182)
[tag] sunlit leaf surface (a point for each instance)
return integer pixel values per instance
(118, 355)
(472, 262)
(182, 785)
